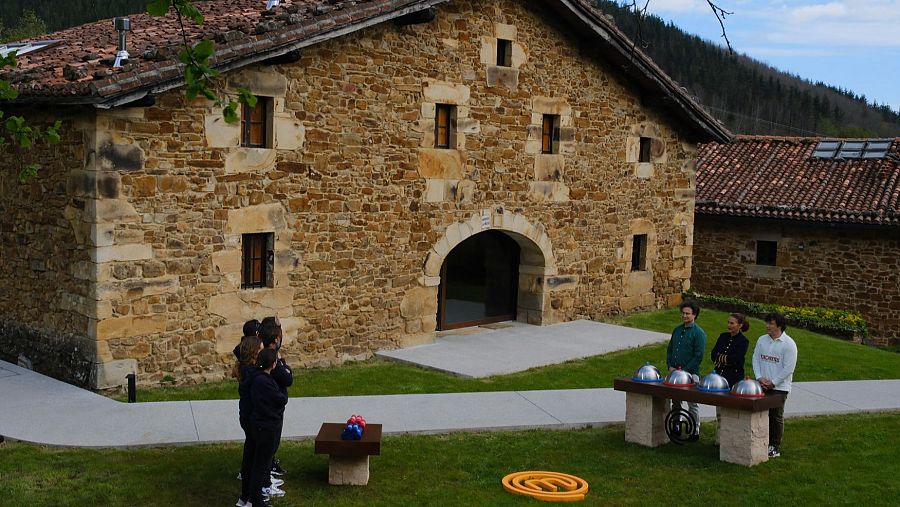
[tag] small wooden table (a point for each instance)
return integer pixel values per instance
(348, 460)
(743, 436)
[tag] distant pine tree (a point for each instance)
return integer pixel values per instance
(748, 96)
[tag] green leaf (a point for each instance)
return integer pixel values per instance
(245, 96)
(8, 60)
(51, 135)
(7, 92)
(158, 7)
(203, 50)
(189, 10)
(28, 172)
(230, 112)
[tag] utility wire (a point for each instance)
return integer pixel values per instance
(757, 119)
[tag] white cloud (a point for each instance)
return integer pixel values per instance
(861, 23)
(660, 7)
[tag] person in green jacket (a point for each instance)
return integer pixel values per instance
(685, 351)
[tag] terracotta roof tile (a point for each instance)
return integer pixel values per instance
(776, 177)
(87, 50)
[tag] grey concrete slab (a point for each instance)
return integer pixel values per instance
(802, 402)
(519, 347)
(217, 420)
(580, 407)
(862, 395)
(42, 410)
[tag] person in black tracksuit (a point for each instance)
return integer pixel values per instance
(251, 328)
(248, 370)
(267, 401)
(728, 355)
(271, 334)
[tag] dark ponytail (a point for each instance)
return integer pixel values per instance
(742, 320)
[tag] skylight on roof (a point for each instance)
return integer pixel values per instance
(22, 48)
(876, 148)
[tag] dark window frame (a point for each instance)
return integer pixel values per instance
(445, 126)
(766, 253)
(550, 134)
(504, 53)
(639, 252)
(256, 124)
(645, 144)
(257, 259)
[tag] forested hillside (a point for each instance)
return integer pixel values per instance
(59, 14)
(751, 97)
(748, 96)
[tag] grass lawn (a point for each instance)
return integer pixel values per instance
(820, 358)
(827, 460)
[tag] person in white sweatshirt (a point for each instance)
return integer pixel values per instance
(774, 360)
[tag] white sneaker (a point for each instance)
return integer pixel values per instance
(273, 491)
(241, 503)
(276, 481)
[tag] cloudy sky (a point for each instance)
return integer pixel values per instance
(853, 44)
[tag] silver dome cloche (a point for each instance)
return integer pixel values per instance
(748, 388)
(714, 383)
(647, 373)
(679, 378)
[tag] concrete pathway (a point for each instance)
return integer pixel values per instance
(39, 409)
(509, 347)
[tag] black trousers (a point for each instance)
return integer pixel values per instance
(247, 459)
(261, 467)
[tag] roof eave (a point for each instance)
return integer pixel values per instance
(652, 75)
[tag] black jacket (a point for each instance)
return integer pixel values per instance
(734, 348)
(268, 402)
(248, 373)
(283, 376)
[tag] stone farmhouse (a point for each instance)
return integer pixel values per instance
(802, 222)
(410, 166)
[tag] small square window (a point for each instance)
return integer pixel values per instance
(256, 124)
(257, 260)
(644, 154)
(639, 253)
(504, 53)
(766, 253)
(445, 126)
(550, 134)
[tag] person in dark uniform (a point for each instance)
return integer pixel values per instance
(272, 336)
(731, 348)
(728, 355)
(268, 402)
(247, 371)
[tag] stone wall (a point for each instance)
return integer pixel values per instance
(362, 207)
(44, 291)
(849, 268)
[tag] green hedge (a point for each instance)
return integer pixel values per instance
(842, 323)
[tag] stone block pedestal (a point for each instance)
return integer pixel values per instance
(744, 436)
(348, 470)
(645, 418)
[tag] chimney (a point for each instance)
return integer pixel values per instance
(122, 25)
(272, 3)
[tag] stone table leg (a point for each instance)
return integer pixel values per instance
(744, 437)
(348, 471)
(645, 419)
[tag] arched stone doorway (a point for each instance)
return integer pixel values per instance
(479, 282)
(536, 271)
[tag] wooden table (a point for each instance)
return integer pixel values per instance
(348, 460)
(744, 431)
